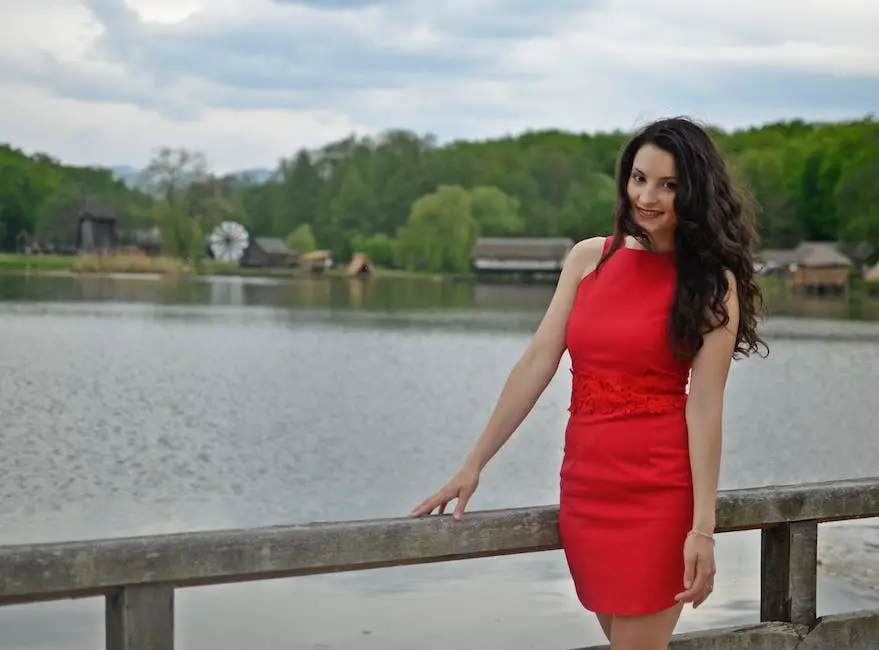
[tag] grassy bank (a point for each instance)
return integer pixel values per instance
(167, 265)
(13, 262)
(92, 264)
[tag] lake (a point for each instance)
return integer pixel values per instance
(137, 405)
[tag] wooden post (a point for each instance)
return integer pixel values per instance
(141, 618)
(789, 573)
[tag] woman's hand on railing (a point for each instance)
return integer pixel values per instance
(461, 487)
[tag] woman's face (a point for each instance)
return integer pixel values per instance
(651, 190)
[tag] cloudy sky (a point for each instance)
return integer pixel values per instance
(249, 81)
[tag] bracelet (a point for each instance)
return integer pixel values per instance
(699, 533)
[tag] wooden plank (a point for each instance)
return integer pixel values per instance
(140, 618)
(30, 573)
(765, 636)
(789, 573)
(762, 507)
(852, 631)
(77, 569)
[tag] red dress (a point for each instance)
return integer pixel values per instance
(626, 498)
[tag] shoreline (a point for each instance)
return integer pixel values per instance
(157, 267)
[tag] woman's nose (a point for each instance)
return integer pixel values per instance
(648, 195)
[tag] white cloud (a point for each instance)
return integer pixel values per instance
(169, 11)
(248, 81)
(86, 133)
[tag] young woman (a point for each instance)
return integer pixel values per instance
(669, 298)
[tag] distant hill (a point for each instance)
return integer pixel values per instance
(126, 173)
(131, 175)
(255, 175)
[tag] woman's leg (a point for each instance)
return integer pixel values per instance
(605, 621)
(647, 632)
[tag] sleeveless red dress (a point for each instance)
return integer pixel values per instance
(626, 492)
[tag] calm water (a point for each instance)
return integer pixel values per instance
(137, 405)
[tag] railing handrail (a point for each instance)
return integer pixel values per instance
(56, 570)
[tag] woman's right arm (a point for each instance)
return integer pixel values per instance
(527, 380)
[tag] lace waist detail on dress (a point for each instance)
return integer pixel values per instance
(626, 394)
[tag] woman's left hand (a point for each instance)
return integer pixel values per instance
(699, 570)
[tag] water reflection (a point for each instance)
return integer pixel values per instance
(378, 294)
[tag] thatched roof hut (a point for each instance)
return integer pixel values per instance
(821, 255)
(360, 265)
(316, 261)
(820, 267)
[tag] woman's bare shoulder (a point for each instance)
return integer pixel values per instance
(585, 255)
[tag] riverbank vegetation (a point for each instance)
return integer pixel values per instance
(412, 204)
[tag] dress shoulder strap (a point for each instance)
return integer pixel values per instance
(604, 248)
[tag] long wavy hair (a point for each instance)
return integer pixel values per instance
(714, 235)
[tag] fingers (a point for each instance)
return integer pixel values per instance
(687, 596)
(698, 581)
(703, 595)
(454, 490)
(697, 594)
(463, 498)
(440, 502)
(709, 589)
(689, 574)
(429, 505)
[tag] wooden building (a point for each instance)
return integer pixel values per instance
(267, 252)
(149, 241)
(812, 267)
(775, 261)
(819, 267)
(520, 255)
(96, 229)
(316, 262)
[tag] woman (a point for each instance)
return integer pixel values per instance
(669, 297)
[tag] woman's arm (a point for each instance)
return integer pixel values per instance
(527, 380)
(704, 424)
(705, 412)
(537, 366)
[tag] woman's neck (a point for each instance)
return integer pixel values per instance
(661, 244)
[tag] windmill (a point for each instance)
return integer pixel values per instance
(228, 241)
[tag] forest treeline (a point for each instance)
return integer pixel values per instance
(410, 202)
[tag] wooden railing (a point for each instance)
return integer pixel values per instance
(138, 576)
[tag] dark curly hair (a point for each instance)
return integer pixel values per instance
(714, 235)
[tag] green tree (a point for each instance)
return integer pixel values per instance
(182, 237)
(857, 197)
(25, 183)
(496, 214)
(301, 240)
(588, 207)
(440, 233)
(379, 247)
(809, 181)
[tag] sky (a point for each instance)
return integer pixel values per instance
(248, 82)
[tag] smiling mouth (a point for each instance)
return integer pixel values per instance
(649, 214)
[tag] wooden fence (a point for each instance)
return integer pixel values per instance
(138, 576)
